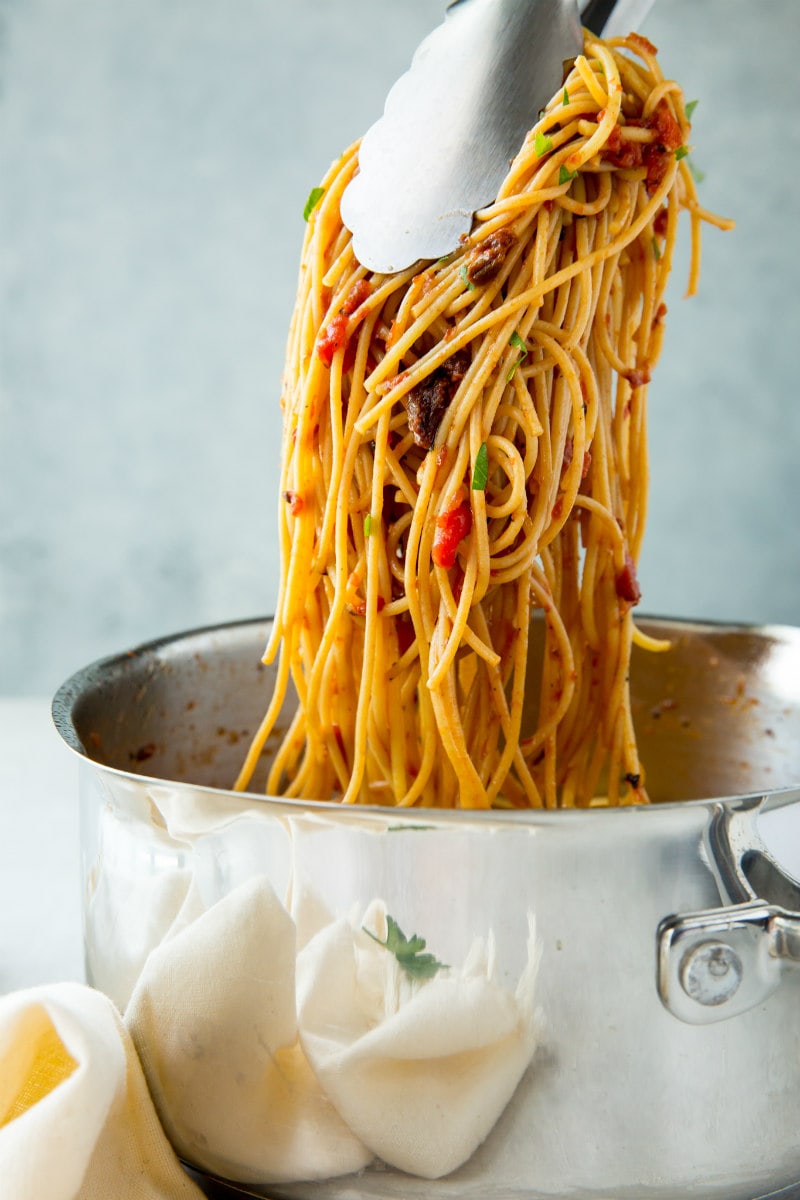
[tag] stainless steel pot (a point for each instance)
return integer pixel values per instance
(667, 1006)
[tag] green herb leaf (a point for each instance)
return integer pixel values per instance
(564, 175)
(408, 951)
(681, 152)
(367, 524)
(481, 472)
(516, 340)
(565, 98)
(542, 143)
(465, 278)
(690, 107)
(656, 247)
(314, 197)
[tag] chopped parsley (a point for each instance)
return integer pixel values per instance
(408, 951)
(542, 144)
(564, 175)
(367, 524)
(565, 98)
(690, 107)
(681, 152)
(465, 278)
(314, 197)
(481, 472)
(656, 247)
(516, 341)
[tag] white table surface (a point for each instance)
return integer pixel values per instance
(40, 891)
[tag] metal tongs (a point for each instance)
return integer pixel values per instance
(458, 116)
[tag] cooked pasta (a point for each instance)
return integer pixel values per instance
(465, 445)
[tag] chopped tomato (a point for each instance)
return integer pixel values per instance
(638, 376)
(295, 502)
(332, 338)
(451, 529)
(334, 335)
(656, 155)
(356, 296)
(627, 584)
(643, 43)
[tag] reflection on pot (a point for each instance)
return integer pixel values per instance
(300, 1039)
(278, 1057)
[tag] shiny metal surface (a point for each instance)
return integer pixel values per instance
(621, 1098)
(716, 964)
(454, 121)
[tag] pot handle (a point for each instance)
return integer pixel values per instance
(720, 962)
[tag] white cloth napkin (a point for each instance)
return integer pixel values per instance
(76, 1121)
(214, 1020)
(420, 1069)
(258, 1080)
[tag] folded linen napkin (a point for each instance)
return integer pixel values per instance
(420, 1069)
(76, 1120)
(214, 1020)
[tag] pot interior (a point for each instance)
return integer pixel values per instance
(716, 715)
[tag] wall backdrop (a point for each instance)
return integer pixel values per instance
(155, 156)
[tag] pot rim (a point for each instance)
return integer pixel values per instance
(96, 672)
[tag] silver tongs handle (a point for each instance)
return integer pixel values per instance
(454, 121)
(614, 18)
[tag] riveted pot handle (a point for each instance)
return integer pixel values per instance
(720, 962)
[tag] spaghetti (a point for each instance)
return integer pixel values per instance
(465, 443)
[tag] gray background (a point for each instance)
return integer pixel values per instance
(155, 156)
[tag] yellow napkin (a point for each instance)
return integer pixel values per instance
(76, 1119)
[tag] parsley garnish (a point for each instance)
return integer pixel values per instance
(408, 951)
(542, 143)
(690, 107)
(481, 472)
(681, 152)
(314, 197)
(367, 524)
(656, 247)
(516, 340)
(466, 279)
(565, 175)
(565, 98)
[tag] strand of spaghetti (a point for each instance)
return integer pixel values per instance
(445, 708)
(268, 722)
(528, 351)
(511, 726)
(563, 649)
(435, 357)
(429, 748)
(459, 632)
(341, 436)
(372, 616)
